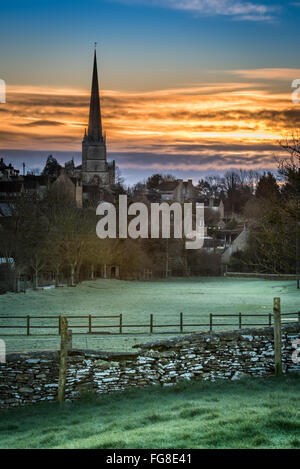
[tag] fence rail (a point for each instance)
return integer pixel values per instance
(181, 327)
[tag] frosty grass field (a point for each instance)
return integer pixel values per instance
(165, 299)
(251, 413)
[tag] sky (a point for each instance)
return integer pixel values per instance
(188, 87)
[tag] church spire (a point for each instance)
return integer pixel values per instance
(95, 126)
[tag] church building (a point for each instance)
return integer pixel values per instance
(96, 174)
(95, 168)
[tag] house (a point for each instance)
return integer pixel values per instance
(7, 172)
(177, 190)
(217, 206)
(71, 184)
(239, 243)
(18, 185)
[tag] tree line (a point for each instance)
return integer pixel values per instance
(50, 236)
(272, 215)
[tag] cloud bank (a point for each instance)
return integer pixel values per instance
(237, 9)
(204, 127)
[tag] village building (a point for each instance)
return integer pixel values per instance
(177, 190)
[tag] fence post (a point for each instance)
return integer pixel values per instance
(59, 325)
(151, 323)
(121, 323)
(28, 325)
(210, 322)
(299, 316)
(181, 322)
(240, 320)
(277, 337)
(69, 339)
(90, 324)
(64, 344)
(270, 319)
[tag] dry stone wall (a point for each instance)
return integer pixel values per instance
(33, 377)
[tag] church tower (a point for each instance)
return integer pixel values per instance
(95, 169)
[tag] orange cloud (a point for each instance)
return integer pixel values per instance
(270, 73)
(195, 119)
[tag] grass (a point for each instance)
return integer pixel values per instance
(165, 299)
(251, 413)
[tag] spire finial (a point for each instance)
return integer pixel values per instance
(95, 45)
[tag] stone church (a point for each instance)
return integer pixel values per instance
(95, 168)
(95, 177)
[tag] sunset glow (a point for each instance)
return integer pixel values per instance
(215, 96)
(189, 120)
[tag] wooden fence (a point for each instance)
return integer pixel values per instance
(119, 327)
